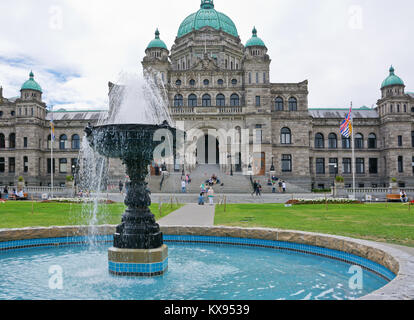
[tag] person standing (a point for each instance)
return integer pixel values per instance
(121, 186)
(254, 188)
(201, 199)
(280, 186)
(183, 186)
(203, 188)
(210, 195)
(6, 193)
(284, 186)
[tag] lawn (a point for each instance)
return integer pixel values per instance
(392, 223)
(19, 214)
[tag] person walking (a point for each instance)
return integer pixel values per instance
(121, 186)
(6, 193)
(259, 189)
(280, 186)
(183, 186)
(203, 188)
(210, 195)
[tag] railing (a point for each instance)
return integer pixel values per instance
(206, 110)
(377, 190)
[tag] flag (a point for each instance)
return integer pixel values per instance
(346, 125)
(52, 125)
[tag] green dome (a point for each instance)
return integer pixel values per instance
(255, 41)
(157, 42)
(31, 84)
(392, 80)
(207, 16)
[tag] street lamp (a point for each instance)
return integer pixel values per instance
(272, 168)
(231, 164)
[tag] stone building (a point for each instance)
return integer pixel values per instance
(215, 82)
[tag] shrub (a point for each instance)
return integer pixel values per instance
(20, 179)
(339, 179)
(321, 190)
(394, 180)
(69, 178)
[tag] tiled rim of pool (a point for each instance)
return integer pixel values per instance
(389, 263)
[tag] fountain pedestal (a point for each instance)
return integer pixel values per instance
(138, 248)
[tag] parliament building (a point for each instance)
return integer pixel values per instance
(216, 81)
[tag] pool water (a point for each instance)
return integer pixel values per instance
(195, 272)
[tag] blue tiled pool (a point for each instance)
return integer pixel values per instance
(199, 268)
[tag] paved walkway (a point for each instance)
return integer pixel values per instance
(190, 215)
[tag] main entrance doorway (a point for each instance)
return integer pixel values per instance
(208, 150)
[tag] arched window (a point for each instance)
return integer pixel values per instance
(319, 141)
(192, 82)
(234, 100)
(178, 83)
(62, 142)
(293, 104)
(75, 142)
(12, 141)
(333, 141)
(206, 82)
(178, 101)
(192, 100)
(2, 141)
(359, 141)
(220, 100)
(220, 82)
(234, 82)
(286, 136)
(372, 141)
(206, 100)
(279, 104)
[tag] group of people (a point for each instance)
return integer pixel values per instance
(185, 181)
(18, 195)
(276, 182)
(214, 180)
(210, 195)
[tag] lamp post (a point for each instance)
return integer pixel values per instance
(272, 169)
(231, 164)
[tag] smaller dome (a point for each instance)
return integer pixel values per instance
(157, 42)
(255, 41)
(392, 80)
(31, 84)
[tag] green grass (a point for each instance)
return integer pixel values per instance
(19, 214)
(393, 223)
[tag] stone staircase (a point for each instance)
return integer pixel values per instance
(236, 184)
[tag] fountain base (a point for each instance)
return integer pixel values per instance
(138, 262)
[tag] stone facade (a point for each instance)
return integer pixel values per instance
(214, 82)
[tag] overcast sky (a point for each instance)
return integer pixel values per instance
(74, 47)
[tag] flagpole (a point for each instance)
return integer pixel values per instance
(353, 155)
(51, 151)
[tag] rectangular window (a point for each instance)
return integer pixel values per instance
(333, 165)
(400, 164)
(257, 77)
(63, 165)
(347, 165)
(400, 141)
(346, 143)
(286, 163)
(25, 142)
(12, 165)
(73, 165)
(320, 166)
(360, 165)
(373, 166)
(259, 134)
(257, 101)
(250, 78)
(264, 77)
(49, 169)
(25, 164)
(2, 165)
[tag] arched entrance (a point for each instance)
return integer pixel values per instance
(208, 150)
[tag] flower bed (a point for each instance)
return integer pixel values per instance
(322, 201)
(78, 200)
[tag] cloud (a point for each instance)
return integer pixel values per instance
(344, 48)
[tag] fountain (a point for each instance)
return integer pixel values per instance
(138, 242)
